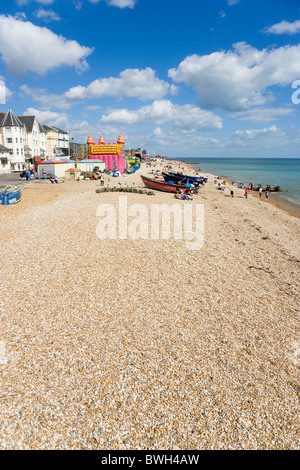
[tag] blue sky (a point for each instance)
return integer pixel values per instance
(184, 78)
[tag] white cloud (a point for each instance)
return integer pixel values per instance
(78, 5)
(8, 93)
(30, 41)
(133, 83)
(93, 107)
(46, 99)
(232, 2)
(178, 142)
(47, 15)
(260, 114)
(157, 131)
(254, 133)
(238, 79)
(284, 27)
(42, 2)
(79, 128)
(269, 141)
(265, 141)
(60, 120)
(20, 15)
(88, 109)
(122, 3)
(160, 112)
(118, 3)
(5, 93)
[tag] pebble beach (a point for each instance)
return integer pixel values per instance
(124, 344)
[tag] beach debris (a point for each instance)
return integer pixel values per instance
(261, 269)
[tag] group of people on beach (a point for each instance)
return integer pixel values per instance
(260, 190)
(53, 179)
(247, 192)
(221, 186)
(155, 173)
(183, 195)
(27, 174)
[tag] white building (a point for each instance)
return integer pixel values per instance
(13, 137)
(55, 167)
(26, 138)
(63, 147)
(89, 165)
(4, 160)
(36, 138)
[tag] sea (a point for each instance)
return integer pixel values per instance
(283, 172)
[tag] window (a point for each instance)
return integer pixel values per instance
(8, 129)
(9, 140)
(21, 151)
(17, 151)
(16, 140)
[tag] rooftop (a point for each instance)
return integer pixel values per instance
(29, 122)
(10, 120)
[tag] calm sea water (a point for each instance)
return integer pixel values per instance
(285, 172)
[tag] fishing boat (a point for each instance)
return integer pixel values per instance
(183, 178)
(163, 185)
(190, 177)
(275, 189)
(10, 195)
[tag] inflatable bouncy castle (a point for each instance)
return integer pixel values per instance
(110, 154)
(134, 163)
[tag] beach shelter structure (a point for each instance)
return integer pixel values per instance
(55, 167)
(89, 164)
(72, 173)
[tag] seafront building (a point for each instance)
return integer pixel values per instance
(26, 143)
(35, 139)
(58, 144)
(24, 140)
(52, 140)
(63, 146)
(4, 159)
(78, 151)
(13, 137)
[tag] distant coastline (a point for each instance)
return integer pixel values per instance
(284, 172)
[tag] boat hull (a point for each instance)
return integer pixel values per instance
(162, 185)
(271, 190)
(187, 179)
(10, 195)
